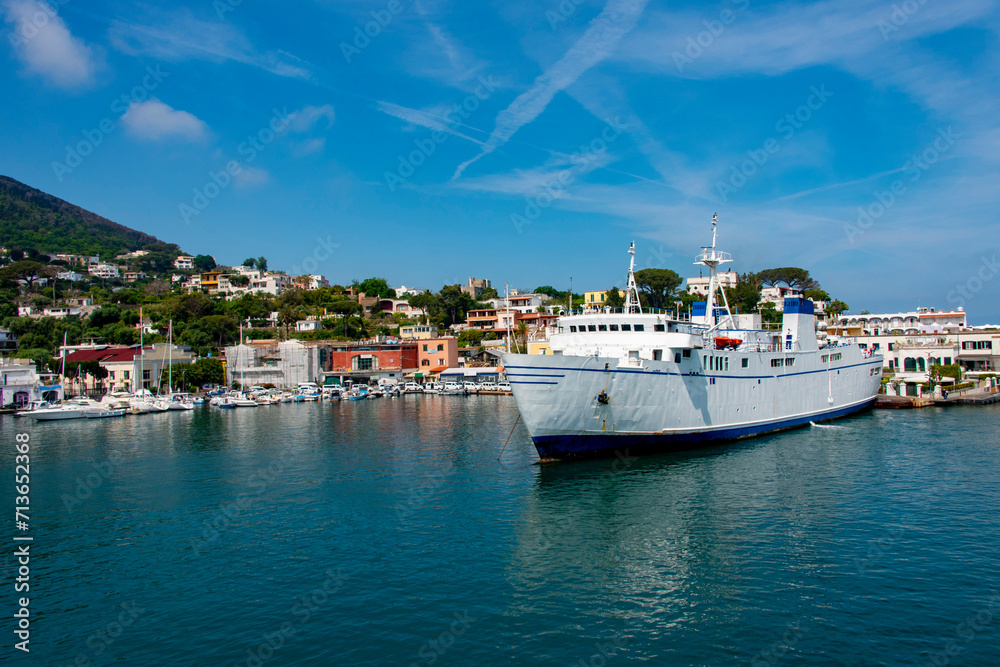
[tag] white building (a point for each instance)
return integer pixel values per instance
(69, 275)
(103, 270)
(522, 303)
(922, 320)
(777, 294)
(910, 356)
(247, 271)
(269, 283)
(184, 263)
(308, 324)
(699, 285)
(403, 291)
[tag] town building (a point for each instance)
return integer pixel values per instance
(436, 354)
(921, 320)
(103, 270)
(69, 275)
(269, 283)
(8, 342)
(400, 306)
(699, 285)
(418, 331)
(310, 282)
(184, 263)
(594, 300)
(79, 260)
(403, 291)
(474, 288)
(129, 368)
(309, 324)
(132, 276)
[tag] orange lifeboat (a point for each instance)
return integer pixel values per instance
(721, 343)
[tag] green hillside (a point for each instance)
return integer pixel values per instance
(30, 218)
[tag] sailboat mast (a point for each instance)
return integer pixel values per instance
(170, 359)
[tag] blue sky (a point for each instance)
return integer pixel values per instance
(528, 142)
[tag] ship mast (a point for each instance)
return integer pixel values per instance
(712, 258)
(632, 303)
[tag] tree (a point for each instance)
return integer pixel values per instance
(205, 371)
(204, 262)
(744, 297)
(157, 287)
(658, 286)
(27, 270)
(790, 275)
(345, 308)
(250, 262)
(223, 328)
(377, 287)
(288, 316)
(837, 307)
(816, 295)
(262, 264)
(489, 293)
(470, 338)
(615, 299)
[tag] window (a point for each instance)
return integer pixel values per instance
(746, 363)
(626, 327)
(111, 375)
(657, 355)
(836, 357)
(602, 327)
(891, 346)
(613, 327)
(362, 363)
(789, 362)
(640, 327)
(825, 358)
(572, 329)
(441, 347)
(704, 363)
(659, 327)
(686, 353)
(591, 327)
(947, 362)
(677, 357)
(727, 364)
(145, 375)
(125, 374)
(425, 348)
(425, 362)
(776, 363)
(875, 346)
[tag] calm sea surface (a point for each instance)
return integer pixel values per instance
(387, 533)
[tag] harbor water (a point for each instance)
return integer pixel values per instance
(386, 532)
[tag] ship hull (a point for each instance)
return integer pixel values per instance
(662, 406)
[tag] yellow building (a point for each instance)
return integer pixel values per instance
(210, 279)
(594, 299)
(539, 347)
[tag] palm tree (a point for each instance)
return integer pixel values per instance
(522, 333)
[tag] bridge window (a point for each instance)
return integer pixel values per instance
(657, 355)
(677, 357)
(686, 353)
(626, 327)
(746, 363)
(602, 327)
(572, 328)
(614, 327)
(659, 327)
(591, 327)
(640, 327)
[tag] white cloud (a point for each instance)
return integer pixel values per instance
(305, 118)
(596, 44)
(429, 119)
(45, 45)
(181, 37)
(250, 177)
(155, 121)
(311, 146)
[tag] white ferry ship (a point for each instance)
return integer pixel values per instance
(636, 379)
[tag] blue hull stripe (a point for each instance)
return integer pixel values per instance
(605, 444)
(528, 382)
